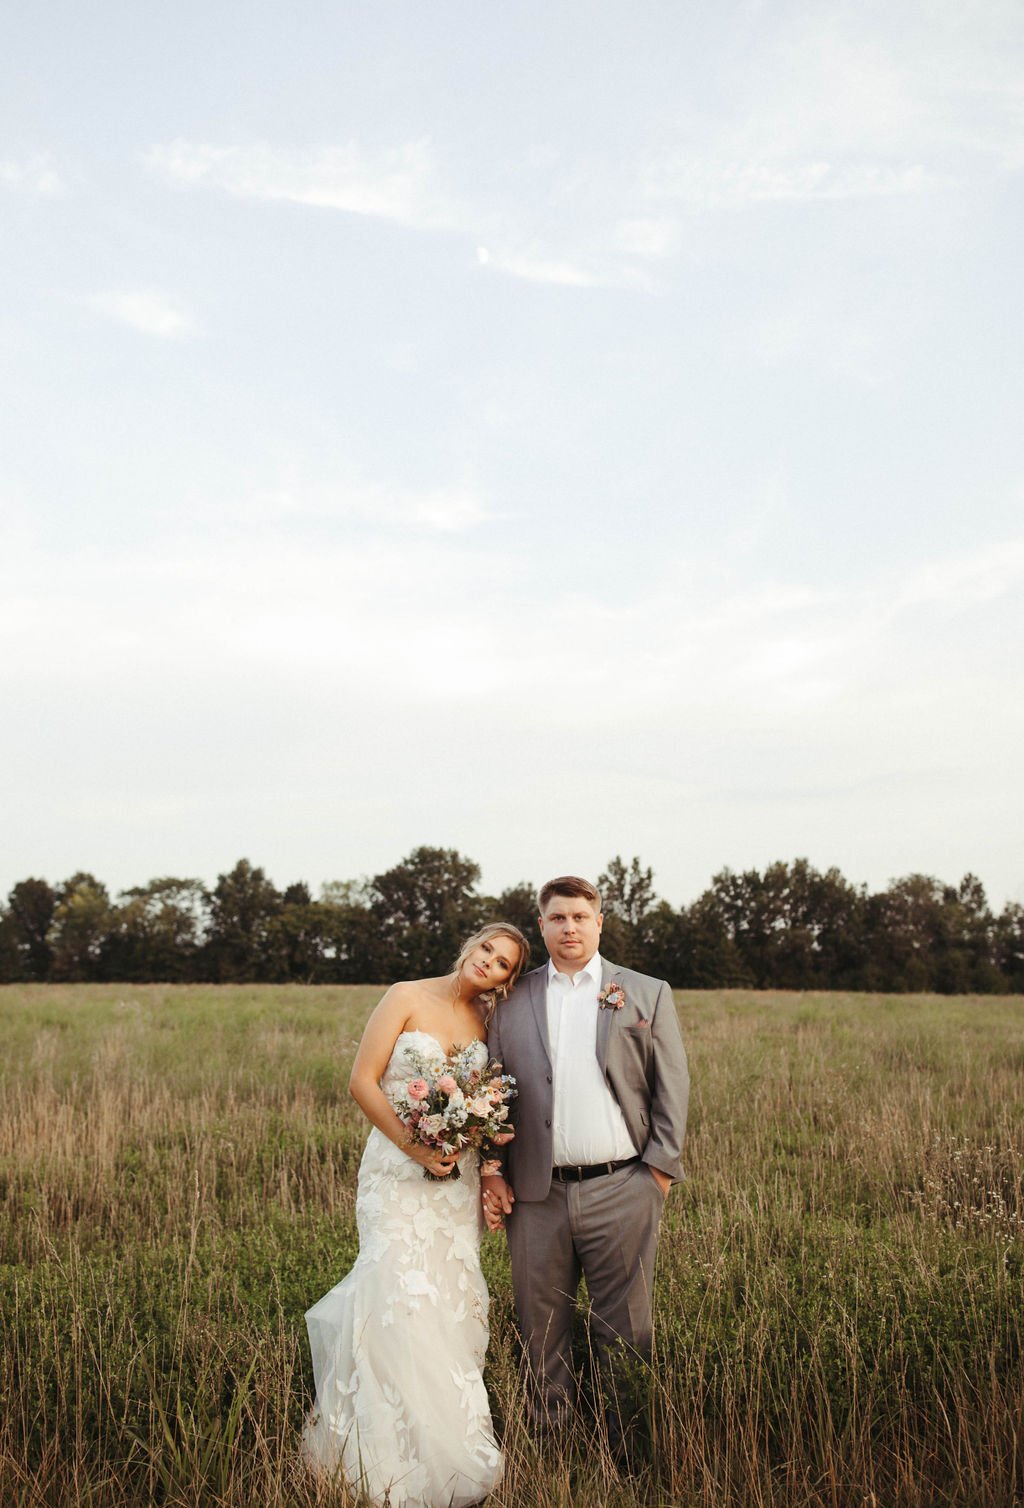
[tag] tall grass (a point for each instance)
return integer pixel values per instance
(840, 1301)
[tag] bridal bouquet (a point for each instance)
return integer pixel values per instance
(452, 1103)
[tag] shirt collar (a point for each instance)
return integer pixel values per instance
(592, 970)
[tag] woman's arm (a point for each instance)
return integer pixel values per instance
(387, 1020)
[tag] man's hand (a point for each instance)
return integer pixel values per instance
(498, 1200)
(663, 1181)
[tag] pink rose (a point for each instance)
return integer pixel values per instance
(417, 1089)
(447, 1084)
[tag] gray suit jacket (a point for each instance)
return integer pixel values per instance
(640, 1050)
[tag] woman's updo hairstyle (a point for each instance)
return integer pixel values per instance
(484, 934)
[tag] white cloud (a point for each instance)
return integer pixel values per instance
(402, 184)
(35, 175)
(562, 272)
(850, 103)
(448, 512)
(420, 614)
(148, 311)
(399, 615)
(445, 510)
(722, 184)
(649, 239)
(542, 269)
(398, 183)
(298, 504)
(967, 577)
(818, 329)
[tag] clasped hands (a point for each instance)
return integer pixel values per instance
(498, 1199)
(496, 1191)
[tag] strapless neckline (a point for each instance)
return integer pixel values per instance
(419, 1032)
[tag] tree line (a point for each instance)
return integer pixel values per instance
(790, 927)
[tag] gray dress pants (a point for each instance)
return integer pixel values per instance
(607, 1229)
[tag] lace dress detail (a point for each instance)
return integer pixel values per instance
(398, 1346)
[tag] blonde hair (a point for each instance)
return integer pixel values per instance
(491, 998)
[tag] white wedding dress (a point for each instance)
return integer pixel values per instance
(398, 1346)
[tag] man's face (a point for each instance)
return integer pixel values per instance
(571, 930)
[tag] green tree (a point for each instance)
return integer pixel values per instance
(355, 951)
(707, 955)
(11, 971)
(424, 908)
(793, 927)
(301, 939)
(242, 908)
(967, 960)
(627, 896)
(32, 904)
(836, 913)
(1009, 945)
(905, 929)
(81, 920)
(749, 908)
(626, 893)
(924, 935)
(666, 953)
(156, 931)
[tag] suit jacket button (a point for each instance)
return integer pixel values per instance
(547, 1123)
(549, 1078)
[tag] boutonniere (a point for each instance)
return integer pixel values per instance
(612, 997)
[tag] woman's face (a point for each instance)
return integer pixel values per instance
(491, 963)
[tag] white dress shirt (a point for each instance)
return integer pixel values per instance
(588, 1124)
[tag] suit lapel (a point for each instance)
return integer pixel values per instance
(539, 1002)
(604, 1017)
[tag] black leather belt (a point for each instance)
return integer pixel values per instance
(592, 1170)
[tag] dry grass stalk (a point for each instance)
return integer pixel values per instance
(840, 1317)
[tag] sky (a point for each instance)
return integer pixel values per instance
(550, 431)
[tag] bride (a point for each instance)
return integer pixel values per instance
(398, 1346)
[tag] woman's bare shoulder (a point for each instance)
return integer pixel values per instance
(436, 988)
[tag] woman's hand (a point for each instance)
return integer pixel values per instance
(439, 1163)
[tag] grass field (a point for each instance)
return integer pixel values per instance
(840, 1305)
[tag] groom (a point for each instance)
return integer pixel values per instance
(600, 1066)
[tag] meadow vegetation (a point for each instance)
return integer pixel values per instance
(840, 1304)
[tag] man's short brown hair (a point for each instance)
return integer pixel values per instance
(570, 885)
